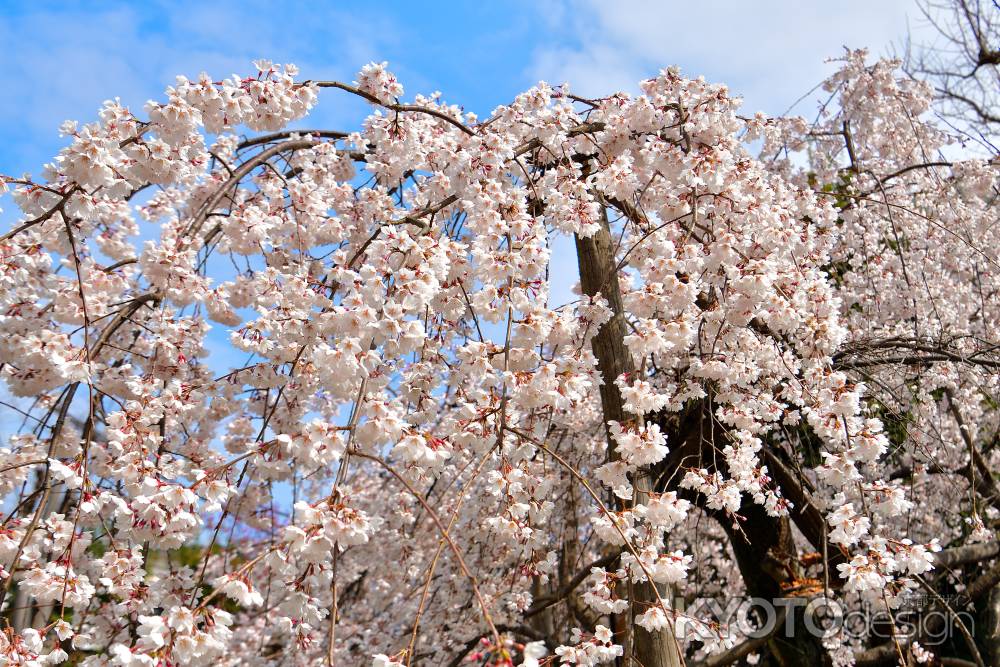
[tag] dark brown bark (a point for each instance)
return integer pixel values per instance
(763, 545)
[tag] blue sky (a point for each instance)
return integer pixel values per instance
(62, 59)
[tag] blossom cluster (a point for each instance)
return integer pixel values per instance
(333, 410)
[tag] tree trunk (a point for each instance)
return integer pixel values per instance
(764, 548)
(991, 636)
(596, 259)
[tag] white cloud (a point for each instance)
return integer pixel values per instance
(768, 51)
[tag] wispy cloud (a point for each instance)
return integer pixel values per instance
(770, 52)
(63, 61)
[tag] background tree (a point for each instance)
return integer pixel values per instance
(962, 62)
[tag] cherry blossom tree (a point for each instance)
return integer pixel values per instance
(306, 396)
